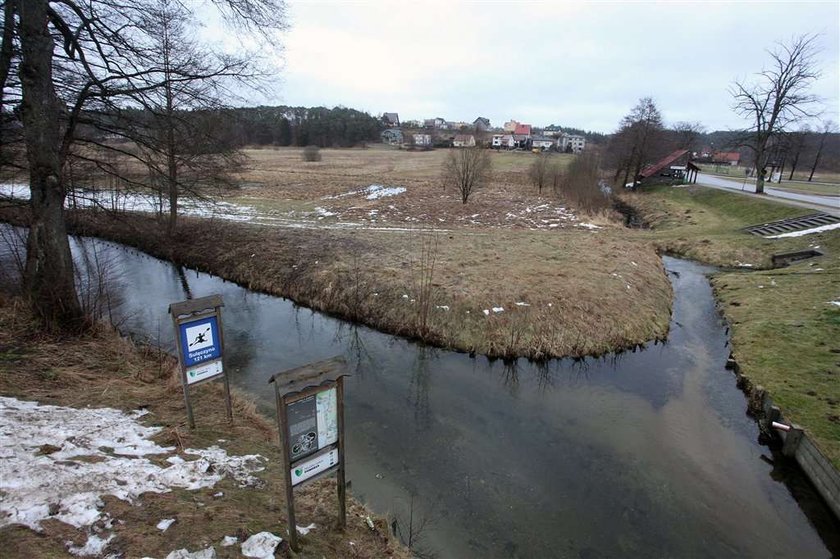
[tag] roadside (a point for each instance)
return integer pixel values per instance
(154, 486)
(785, 322)
(820, 202)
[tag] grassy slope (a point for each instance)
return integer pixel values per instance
(583, 288)
(101, 369)
(785, 334)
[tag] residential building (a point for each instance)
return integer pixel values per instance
(726, 158)
(391, 119)
(437, 123)
(463, 141)
(542, 143)
(503, 141)
(392, 136)
(572, 143)
(511, 125)
(423, 140)
(481, 124)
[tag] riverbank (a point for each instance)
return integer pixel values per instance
(785, 322)
(501, 293)
(230, 495)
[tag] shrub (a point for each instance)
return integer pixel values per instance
(311, 153)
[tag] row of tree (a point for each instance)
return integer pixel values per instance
(776, 102)
(302, 126)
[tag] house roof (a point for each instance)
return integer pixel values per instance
(393, 118)
(651, 170)
(726, 156)
(486, 121)
(523, 129)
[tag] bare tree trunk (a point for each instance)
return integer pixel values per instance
(760, 164)
(48, 277)
(817, 157)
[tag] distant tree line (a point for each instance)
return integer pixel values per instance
(301, 126)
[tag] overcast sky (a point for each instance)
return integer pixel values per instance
(581, 64)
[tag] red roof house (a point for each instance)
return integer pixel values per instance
(523, 130)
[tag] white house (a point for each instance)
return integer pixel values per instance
(572, 142)
(422, 140)
(542, 143)
(504, 141)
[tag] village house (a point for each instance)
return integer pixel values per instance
(464, 141)
(436, 123)
(542, 143)
(572, 143)
(522, 135)
(503, 141)
(732, 158)
(391, 119)
(423, 140)
(392, 136)
(481, 124)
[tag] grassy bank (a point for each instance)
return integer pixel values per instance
(103, 370)
(785, 330)
(571, 292)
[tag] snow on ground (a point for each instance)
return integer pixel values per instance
(261, 546)
(138, 202)
(371, 192)
(835, 303)
(57, 462)
(804, 232)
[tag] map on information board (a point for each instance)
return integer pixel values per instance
(313, 423)
(327, 417)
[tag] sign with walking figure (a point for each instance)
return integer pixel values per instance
(199, 341)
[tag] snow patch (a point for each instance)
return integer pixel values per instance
(323, 212)
(303, 530)
(35, 484)
(94, 546)
(835, 303)
(228, 541)
(209, 553)
(261, 546)
(164, 524)
(819, 229)
(588, 225)
(498, 309)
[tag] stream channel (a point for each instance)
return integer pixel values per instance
(646, 453)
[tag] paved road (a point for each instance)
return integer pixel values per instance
(830, 204)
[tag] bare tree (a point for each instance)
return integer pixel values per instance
(777, 97)
(687, 134)
(540, 171)
(466, 169)
(103, 56)
(828, 128)
(794, 145)
(637, 140)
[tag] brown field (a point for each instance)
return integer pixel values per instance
(285, 190)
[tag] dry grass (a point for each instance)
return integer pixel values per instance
(277, 184)
(102, 369)
(587, 292)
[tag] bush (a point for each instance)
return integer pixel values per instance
(311, 153)
(580, 185)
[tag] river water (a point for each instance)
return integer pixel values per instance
(640, 454)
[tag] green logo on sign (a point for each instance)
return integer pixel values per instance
(299, 472)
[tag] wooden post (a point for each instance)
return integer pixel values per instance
(183, 370)
(283, 425)
(342, 493)
(228, 404)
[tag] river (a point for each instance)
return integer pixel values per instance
(639, 454)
